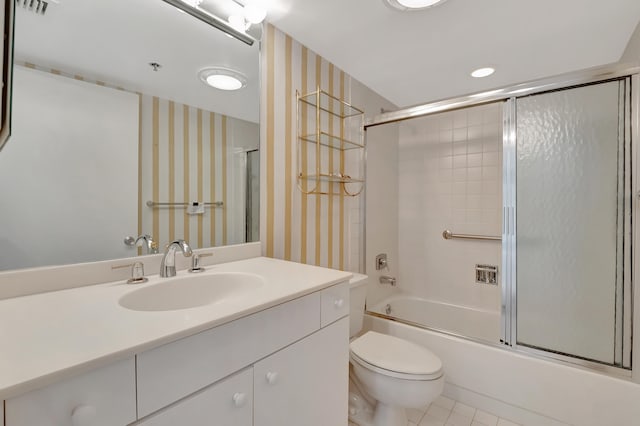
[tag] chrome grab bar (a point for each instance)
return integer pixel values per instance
(448, 235)
(154, 204)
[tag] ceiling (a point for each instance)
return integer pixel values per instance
(114, 41)
(416, 57)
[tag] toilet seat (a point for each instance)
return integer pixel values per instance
(395, 357)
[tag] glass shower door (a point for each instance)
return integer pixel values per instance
(573, 222)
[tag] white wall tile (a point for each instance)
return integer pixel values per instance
(452, 184)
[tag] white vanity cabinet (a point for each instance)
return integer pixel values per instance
(103, 397)
(176, 370)
(287, 364)
(305, 383)
(297, 353)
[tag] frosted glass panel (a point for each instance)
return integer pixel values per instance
(568, 196)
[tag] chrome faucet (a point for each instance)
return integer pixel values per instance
(168, 265)
(152, 246)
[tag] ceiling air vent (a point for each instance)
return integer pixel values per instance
(36, 6)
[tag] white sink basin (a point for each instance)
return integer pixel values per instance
(191, 291)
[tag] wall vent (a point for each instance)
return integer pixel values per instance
(38, 7)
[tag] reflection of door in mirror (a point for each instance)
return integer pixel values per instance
(253, 196)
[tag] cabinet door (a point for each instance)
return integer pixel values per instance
(104, 397)
(305, 383)
(226, 403)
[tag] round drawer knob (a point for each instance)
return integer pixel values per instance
(338, 303)
(83, 415)
(272, 377)
(239, 398)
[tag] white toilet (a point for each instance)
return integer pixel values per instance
(397, 373)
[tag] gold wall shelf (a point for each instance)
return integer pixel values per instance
(330, 145)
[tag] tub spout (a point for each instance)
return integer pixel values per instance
(385, 279)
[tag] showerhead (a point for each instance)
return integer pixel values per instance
(37, 6)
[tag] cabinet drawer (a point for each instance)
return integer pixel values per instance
(228, 402)
(335, 303)
(104, 397)
(171, 372)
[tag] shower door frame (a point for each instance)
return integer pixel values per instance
(509, 308)
(508, 95)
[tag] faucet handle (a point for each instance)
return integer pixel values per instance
(195, 262)
(137, 272)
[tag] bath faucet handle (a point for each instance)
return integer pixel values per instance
(195, 262)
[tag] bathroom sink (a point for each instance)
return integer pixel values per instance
(191, 291)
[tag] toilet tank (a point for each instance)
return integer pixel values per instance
(357, 297)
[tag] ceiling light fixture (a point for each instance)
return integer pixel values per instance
(192, 8)
(192, 3)
(409, 5)
(223, 78)
(483, 72)
(252, 13)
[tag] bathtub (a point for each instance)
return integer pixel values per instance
(529, 390)
(477, 324)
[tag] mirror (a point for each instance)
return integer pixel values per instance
(115, 134)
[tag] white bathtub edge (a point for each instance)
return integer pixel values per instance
(568, 394)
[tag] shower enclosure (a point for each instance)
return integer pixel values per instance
(514, 216)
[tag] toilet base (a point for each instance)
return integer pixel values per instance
(389, 415)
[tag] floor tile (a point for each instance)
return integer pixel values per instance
(428, 420)
(445, 402)
(438, 412)
(503, 422)
(464, 409)
(458, 419)
(485, 418)
(415, 415)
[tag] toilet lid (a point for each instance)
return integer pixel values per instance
(396, 355)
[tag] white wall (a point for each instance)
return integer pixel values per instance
(379, 194)
(65, 156)
(382, 208)
(632, 52)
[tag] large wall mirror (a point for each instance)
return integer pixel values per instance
(115, 135)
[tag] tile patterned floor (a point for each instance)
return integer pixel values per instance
(447, 412)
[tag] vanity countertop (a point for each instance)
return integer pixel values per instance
(47, 337)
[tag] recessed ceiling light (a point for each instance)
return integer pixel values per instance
(483, 72)
(223, 78)
(413, 4)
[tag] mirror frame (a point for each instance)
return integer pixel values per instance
(7, 70)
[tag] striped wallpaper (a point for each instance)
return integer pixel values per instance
(315, 229)
(186, 154)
